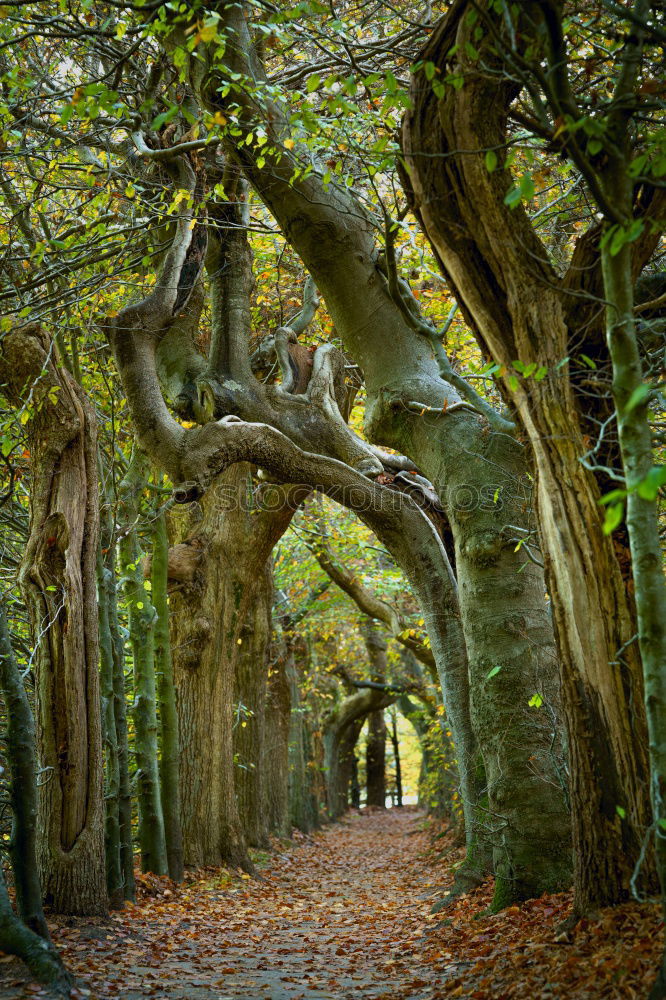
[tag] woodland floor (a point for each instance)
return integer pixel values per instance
(345, 914)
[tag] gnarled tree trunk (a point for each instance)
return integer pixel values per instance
(219, 621)
(58, 578)
(522, 311)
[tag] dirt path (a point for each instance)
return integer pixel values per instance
(345, 915)
(340, 916)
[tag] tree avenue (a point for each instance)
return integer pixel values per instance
(331, 425)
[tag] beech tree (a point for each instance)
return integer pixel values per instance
(58, 579)
(515, 71)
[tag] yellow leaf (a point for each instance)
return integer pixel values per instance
(289, 143)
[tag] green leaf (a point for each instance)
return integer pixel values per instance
(621, 811)
(536, 701)
(612, 497)
(312, 83)
(490, 160)
(512, 197)
(493, 672)
(648, 488)
(614, 514)
(430, 69)
(640, 393)
(526, 187)
(540, 373)
(623, 235)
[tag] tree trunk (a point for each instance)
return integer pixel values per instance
(214, 613)
(522, 311)
(303, 811)
(22, 760)
(355, 789)
(341, 730)
(58, 578)
(114, 873)
(375, 760)
(166, 693)
(120, 717)
(41, 958)
(250, 697)
(395, 743)
(275, 764)
(630, 396)
(141, 620)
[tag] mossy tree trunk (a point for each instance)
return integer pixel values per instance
(58, 578)
(303, 812)
(114, 874)
(141, 619)
(39, 955)
(522, 311)
(275, 765)
(166, 695)
(114, 711)
(120, 718)
(22, 760)
(220, 604)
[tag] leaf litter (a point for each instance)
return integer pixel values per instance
(345, 913)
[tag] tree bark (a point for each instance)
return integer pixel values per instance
(166, 694)
(303, 799)
(141, 621)
(375, 760)
(39, 955)
(58, 578)
(220, 625)
(521, 311)
(114, 873)
(120, 717)
(22, 761)
(275, 763)
(395, 743)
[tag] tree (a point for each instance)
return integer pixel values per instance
(58, 579)
(142, 622)
(528, 318)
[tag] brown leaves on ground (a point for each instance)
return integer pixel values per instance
(346, 914)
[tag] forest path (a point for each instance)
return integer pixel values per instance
(345, 915)
(340, 916)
